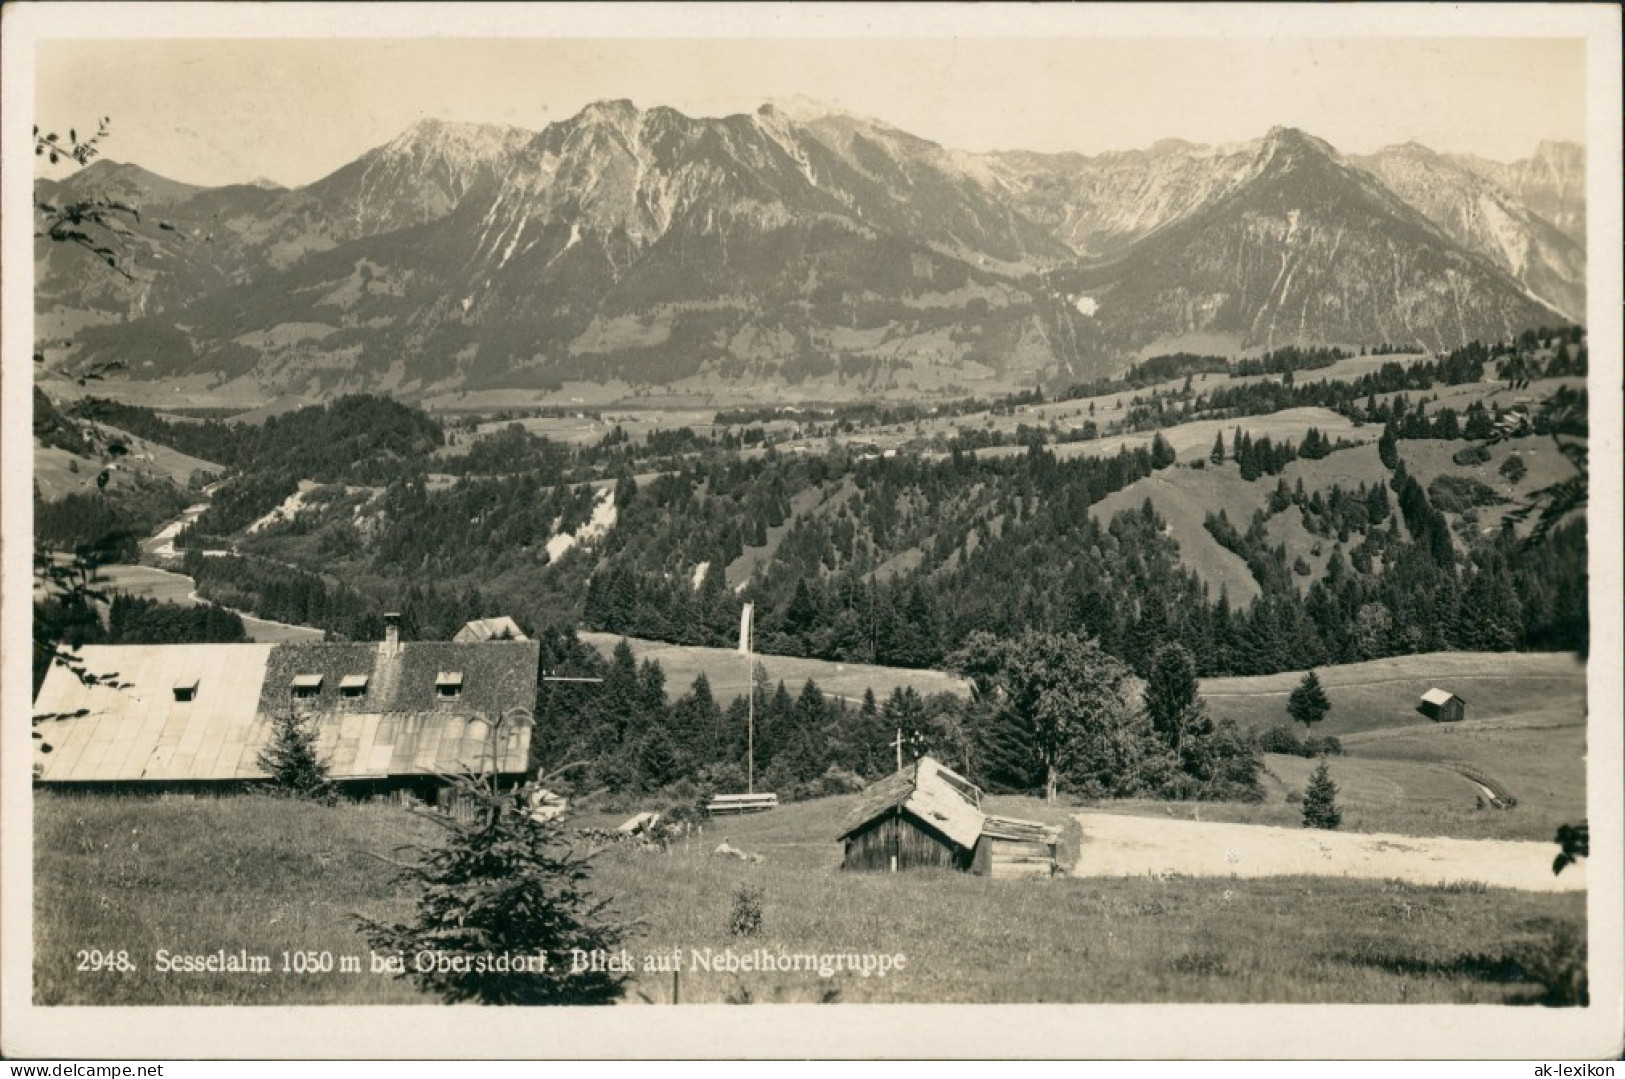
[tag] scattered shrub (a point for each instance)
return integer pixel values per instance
(1558, 965)
(1457, 494)
(1286, 741)
(746, 917)
(1200, 963)
(1513, 470)
(1281, 740)
(1472, 455)
(836, 780)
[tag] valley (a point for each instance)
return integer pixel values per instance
(1158, 497)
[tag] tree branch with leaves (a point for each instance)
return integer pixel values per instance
(95, 223)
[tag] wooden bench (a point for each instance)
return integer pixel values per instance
(722, 805)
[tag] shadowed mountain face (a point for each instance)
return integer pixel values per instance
(785, 247)
(1306, 248)
(1482, 216)
(1551, 182)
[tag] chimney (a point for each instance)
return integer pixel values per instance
(392, 630)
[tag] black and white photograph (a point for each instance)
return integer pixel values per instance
(643, 505)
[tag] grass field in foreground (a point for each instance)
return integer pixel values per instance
(729, 672)
(268, 875)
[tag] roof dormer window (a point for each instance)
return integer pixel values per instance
(353, 685)
(448, 685)
(305, 686)
(186, 690)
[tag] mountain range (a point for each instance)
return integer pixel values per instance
(800, 246)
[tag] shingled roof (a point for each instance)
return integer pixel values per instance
(938, 797)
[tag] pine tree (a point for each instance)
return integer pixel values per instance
(1388, 446)
(1162, 454)
(291, 760)
(1217, 453)
(1308, 703)
(503, 885)
(1171, 692)
(1320, 801)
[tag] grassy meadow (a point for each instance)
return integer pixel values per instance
(729, 672)
(1381, 694)
(266, 875)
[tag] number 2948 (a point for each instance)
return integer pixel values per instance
(96, 961)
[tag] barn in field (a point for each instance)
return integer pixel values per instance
(1442, 706)
(391, 717)
(928, 816)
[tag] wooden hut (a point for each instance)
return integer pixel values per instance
(923, 815)
(927, 815)
(1442, 706)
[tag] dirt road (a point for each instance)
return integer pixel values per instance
(1123, 846)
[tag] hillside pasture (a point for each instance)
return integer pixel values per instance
(579, 429)
(1383, 693)
(729, 672)
(148, 582)
(1429, 459)
(1346, 468)
(175, 391)
(1401, 772)
(1537, 757)
(753, 558)
(269, 875)
(59, 473)
(1183, 498)
(1193, 440)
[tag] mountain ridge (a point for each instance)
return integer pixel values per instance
(647, 245)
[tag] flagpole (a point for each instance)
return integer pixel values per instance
(746, 632)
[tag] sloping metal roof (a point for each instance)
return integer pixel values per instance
(1438, 696)
(136, 729)
(940, 798)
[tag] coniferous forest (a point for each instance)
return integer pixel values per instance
(849, 555)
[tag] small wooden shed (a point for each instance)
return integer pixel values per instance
(923, 815)
(1011, 847)
(928, 815)
(1442, 706)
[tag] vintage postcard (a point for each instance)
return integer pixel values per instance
(1035, 516)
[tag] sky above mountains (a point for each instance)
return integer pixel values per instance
(218, 111)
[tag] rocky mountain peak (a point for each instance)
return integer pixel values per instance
(1292, 142)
